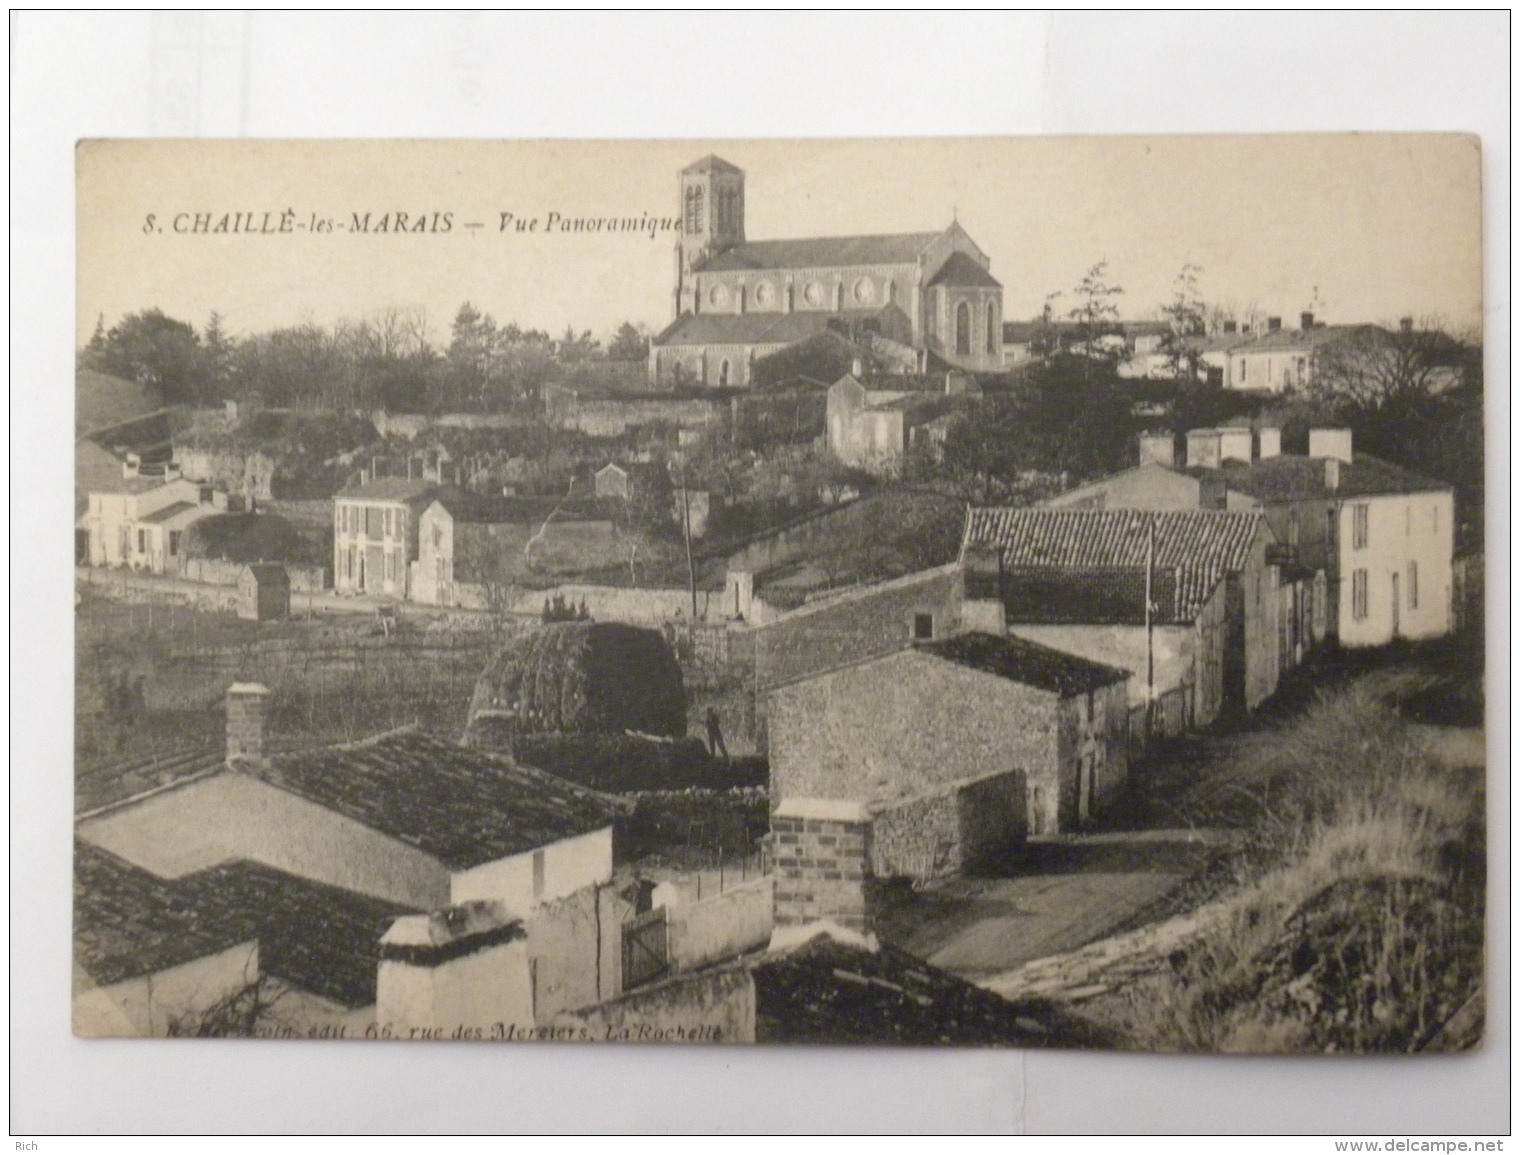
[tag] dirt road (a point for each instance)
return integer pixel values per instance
(1062, 894)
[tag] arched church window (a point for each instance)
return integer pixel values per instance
(963, 329)
(992, 322)
(765, 294)
(813, 294)
(865, 291)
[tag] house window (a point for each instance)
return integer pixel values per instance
(923, 627)
(142, 541)
(1293, 529)
(374, 524)
(1359, 594)
(387, 523)
(174, 543)
(1414, 585)
(992, 327)
(1359, 526)
(963, 329)
(538, 874)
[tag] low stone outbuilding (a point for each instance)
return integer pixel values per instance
(926, 741)
(263, 593)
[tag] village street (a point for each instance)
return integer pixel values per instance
(1063, 893)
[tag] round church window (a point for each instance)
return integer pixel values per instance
(765, 294)
(813, 294)
(865, 291)
(717, 295)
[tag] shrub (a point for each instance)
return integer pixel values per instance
(625, 763)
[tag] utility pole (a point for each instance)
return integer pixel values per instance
(691, 569)
(1150, 622)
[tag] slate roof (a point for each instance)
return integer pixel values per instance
(322, 939)
(1297, 478)
(168, 511)
(712, 162)
(484, 509)
(962, 270)
(829, 992)
(463, 806)
(747, 328)
(822, 252)
(1025, 662)
(1286, 340)
(1201, 545)
(400, 489)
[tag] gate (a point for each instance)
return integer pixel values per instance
(646, 949)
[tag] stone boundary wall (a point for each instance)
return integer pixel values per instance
(737, 920)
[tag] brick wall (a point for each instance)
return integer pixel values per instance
(820, 869)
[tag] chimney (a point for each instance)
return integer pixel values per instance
(1270, 440)
(857, 369)
(246, 703)
(1274, 324)
(464, 967)
(1306, 321)
(1229, 326)
(1334, 443)
(1332, 474)
(1158, 449)
(1203, 448)
(1235, 444)
(1406, 324)
(822, 852)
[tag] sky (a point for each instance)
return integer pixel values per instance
(1360, 227)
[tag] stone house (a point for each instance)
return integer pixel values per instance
(375, 537)
(1335, 514)
(1026, 737)
(874, 421)
(858, 623)
(1283, 359)
(472, 548)
(1077, 579)
(263, 593)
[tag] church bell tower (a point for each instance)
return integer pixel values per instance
(712, 219)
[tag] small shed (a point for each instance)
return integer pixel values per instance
(263, 593)
(611, 481)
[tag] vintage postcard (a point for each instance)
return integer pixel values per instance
(996, 592)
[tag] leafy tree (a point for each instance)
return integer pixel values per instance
(1187, 319)
(153, 349)
(1096, 317)
(628, 344)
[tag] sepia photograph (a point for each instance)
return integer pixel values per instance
(1014, 592)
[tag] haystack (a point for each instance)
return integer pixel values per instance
(580, 677)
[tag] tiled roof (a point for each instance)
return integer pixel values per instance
(463, 806)
(128, 922)
(322, 939)
(822, 252)
(103, 785)
(401, 489)
(1291, 477)
(962, 270)
(830, 992)
(1201, 545)
(1025, 662)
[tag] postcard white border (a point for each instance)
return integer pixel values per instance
(688, 75)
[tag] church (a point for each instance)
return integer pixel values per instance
(925, 301)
